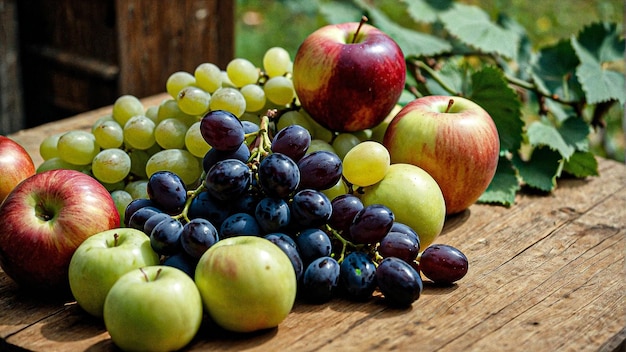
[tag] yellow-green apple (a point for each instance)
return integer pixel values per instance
(247, 283)
(453, 139)
(414, 198)
(44, 219)
(349, 76)
(16, 165)
(155, 308)
(102, 259)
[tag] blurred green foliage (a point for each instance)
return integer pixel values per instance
(261, 24)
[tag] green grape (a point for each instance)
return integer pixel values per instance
(293, 117)
(277, 62)
(126, 107)
(138, 189)
(344, 142)
(48, 147)
(229, 99)
(56, 163)
(248, 116)
(338, 189)
(208, 77)
(318, 144)
(170, 133)
(318, 131)
(169, 109)
(111, 165)
(77, 147)
(226, 82)
(121, 198)
(178, 161)
(363, 135)
(112, 187)
(109, 134)
(242, 72)
(139, 132)
(279, 90)
(254, 96)
(195, 143)
(366, 163)
(138, 160)
(177, 81)
(193, 101)
(152, 112)
(99, 121)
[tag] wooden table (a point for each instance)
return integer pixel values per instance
(546, 274)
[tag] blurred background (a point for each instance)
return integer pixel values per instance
(62, 57)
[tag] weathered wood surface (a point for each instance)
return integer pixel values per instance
(546, 274)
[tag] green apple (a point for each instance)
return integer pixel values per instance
(101, 259)
(414, 198)
(155, 308)
(247, 283)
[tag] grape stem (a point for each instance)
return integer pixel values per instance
(344, 243)
(190, 197)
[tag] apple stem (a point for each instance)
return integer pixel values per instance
(356, 34)
(115, 239)
(145, 276)
(450, 103)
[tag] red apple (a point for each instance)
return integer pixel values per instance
(44, 219)
(349, 76)
(16, 165)
(453, 139)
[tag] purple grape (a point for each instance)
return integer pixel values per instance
(320, 280)
(213, 156)
(278, 175)
(206, 207)
(443, 264)
(320, 170)
(135, 205)
(293, 141)
(345, 208)
(152, 221)
(139, 218)
(228, 179)
(371, 224)
(289, 247)
(313, 244)
(240, 224)
(222, 130)
(165, 237)
(400, 245)
(184, 262)
(272, 214)
(197, 236)
(167, 190)
(310, 208)
(399, 283)
(358, 276)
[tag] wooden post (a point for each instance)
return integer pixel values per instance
(11, 116)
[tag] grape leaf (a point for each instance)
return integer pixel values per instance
(541, 170)
(541, 133)
(595, 46)
(412, 43)
(554, 72)
(335, 12)
(582, 164)
(503, 186)
(490, 90)
(426, 11)
(473, 26)
(574, 132)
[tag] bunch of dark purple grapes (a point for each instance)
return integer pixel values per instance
(258, 184)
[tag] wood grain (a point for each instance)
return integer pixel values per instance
(546, 274)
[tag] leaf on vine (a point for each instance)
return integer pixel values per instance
(544, 134)
(503, 186)
(520, 64)
(554, 72)
(472, 25)
(490, 90)
(412, 43)
(596, 46)
(339, 12)
(453, 74)
(541, 170)
(574, 131)
(426, 11)
(582, 164)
